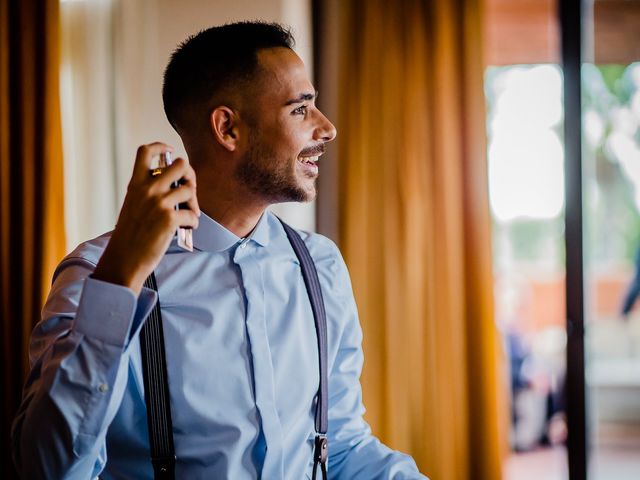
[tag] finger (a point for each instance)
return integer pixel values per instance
(177, 171)
(190, 175)
(178, 195)
(185, 196)
(144, 156)
(193, 205)
(187, 180)
(190, 181)
(186, 219)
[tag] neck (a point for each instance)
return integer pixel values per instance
(228, 202)
(239, 218)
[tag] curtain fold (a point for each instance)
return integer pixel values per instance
(415, 230)
(88, 118)
(31, 177)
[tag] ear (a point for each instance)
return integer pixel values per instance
(224, 127)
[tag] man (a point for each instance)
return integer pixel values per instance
(240, 340)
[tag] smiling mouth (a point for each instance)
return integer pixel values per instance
(310, 156)
(309, 160)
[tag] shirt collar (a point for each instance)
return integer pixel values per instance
(210, 236)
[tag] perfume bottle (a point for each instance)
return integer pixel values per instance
(184, 235)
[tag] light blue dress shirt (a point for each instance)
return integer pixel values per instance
(242, 364)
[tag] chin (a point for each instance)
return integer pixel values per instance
(310, 196)
(310, 191)
(304, 196)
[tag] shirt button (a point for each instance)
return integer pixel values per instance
(243, 245)
(103, 387)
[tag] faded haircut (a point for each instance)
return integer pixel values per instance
(213, 62)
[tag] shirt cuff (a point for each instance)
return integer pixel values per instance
(112, 313)
(146, 301)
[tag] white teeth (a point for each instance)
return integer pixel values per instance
(309, 159)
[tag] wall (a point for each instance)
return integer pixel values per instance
(527, 31)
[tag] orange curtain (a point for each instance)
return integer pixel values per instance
(415, 230)
(31, 183)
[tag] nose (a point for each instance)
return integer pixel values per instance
(325, 130)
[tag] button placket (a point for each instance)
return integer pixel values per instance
(262, 360)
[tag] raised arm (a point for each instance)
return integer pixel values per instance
(80, 350)
(79, 356)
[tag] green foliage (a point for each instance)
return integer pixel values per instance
(535, 240)
(612, 220)
(611, 76)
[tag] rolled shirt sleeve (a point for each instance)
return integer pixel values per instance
(79, 357)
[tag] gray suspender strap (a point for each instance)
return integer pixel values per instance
(156, 392)
(156, 386)
(311, 281)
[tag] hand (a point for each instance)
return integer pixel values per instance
(148, 219)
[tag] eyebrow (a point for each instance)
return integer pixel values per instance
(303, 97)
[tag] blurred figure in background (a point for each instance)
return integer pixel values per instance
(633, 290)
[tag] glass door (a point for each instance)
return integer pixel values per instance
(525, 117)
(611, 167)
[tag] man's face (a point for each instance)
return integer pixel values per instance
(287, 132)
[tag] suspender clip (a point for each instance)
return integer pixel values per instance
(321, 452)
(320, 455)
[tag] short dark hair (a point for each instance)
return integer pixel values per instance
(213, 60)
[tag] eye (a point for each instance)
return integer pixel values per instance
(301, 110)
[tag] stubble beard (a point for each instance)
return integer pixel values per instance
(269, 177)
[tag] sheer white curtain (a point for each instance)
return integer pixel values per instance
(88, 118)
(110, 89)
